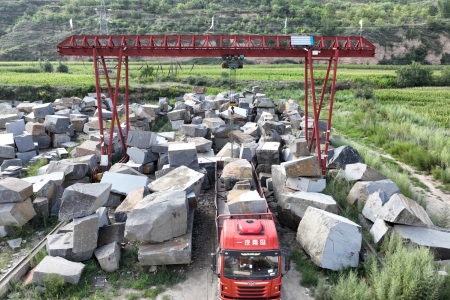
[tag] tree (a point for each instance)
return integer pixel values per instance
(414, 75)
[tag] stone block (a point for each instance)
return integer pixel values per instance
(141, 139)
(7, 152)
(43, 141)
(112, 233)
(182, 178)
(305, 166)
(61, 267)
(16, 214)
(103, 218)
(3, 232)
(141, 156)
(363, 172)
(373, 207)
(174, 252)
(26, 157)
(299, 147)
(6, 139)
(71, 170)
(108, 256)
(438, 241)
(306, 184)
(183, 154)
(124, 183)
(14, 190)
(24, 143)
(193, 130)
(245, 202)
(85, 234)
(125, 208)
(80, 200)
(298, 202)
(158, 217)
(40, 111)
(362, 189)
(248, 152)
(402, 210)
(179, 114)
(78, 124)
(229, 150)
(16, 127)
(57, 177)
(10, 163)
(59, 138)
(26, 107)
(86, 148)
(56, 124)
(213, 122)
(379, 230)
(268, 153)
(342, 156)
(202, 145)
(333, 242)
(7, 118)
(239, 170)
(41, 206)
(239, 137)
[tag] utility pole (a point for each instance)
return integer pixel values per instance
(103, 20)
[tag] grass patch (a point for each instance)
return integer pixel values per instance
(308, 270)
(409, 272)
(35, 260)
(442, 218)
(33, 168)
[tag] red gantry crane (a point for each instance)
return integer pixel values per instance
(319, 92)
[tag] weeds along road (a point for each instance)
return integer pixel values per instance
(201, 283)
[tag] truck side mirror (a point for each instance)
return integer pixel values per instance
(214, 263)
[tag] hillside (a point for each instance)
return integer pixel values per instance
(403, 30)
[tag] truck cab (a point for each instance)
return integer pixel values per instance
(249, 261)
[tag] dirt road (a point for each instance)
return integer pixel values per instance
(201, 283)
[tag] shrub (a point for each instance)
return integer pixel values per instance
(62, 68)
(47, 67)
(414, 75)
(408, 273)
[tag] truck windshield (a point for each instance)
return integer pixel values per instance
(251, 267)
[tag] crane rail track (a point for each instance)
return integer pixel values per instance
(21, 268)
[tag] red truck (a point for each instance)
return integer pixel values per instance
(248, 260)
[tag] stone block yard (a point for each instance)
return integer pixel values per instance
(153, 216)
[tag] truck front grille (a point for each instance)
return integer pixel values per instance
(251, 292)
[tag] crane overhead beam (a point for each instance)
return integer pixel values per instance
(214, 46)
